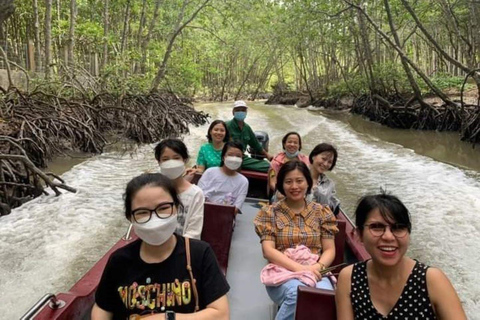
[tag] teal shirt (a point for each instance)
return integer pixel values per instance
(208, 156)
(245, 136)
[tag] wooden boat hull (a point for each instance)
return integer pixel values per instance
(80, 298)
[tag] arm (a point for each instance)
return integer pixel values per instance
(242, 194)
(272, 179)
(444, 298)
(218, 309)
(328, 252)
(200, 168)
(194, 221)
(100, 314)
(267, 155)
(342, 295)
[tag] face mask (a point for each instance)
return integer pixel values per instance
(291, 155)
(172, 168)
(156, 231)
(233, 163)
(240, 115)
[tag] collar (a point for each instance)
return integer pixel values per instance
(282, 204)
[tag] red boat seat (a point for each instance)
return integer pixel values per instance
(313, 303)
(217, 230)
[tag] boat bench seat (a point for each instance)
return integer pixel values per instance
(313, 302)
(217, 230)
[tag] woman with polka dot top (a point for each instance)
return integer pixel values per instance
(391, 285)
(210, 153)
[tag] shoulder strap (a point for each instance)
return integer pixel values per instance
(189, 268)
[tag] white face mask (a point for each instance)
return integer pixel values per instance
(233, 163)
(172, 168)
(156, 231)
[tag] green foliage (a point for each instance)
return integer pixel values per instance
(446, 81)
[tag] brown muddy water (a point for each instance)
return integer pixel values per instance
(49, 243)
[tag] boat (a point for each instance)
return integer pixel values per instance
(239, 254)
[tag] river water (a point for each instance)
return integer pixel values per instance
(49, 243)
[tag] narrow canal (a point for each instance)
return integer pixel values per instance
(49, 243)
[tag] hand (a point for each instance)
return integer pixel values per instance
(189, 174)
(315, 269)
(269, 156)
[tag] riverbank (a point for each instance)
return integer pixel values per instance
(461, 112)
(37, 126)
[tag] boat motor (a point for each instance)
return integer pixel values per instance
(263, 139)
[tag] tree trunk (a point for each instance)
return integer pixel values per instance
(105, 33)
(146, 41)
(178, 29)
(434, 88)
(48, 38)
(6, 9)
(38, 44)
(435, 43)
(406, 68)
(71, 33)
(125, 27)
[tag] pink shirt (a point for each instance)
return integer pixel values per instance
(274, 275)
(281, 158)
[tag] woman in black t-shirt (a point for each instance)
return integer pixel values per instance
(149, 278)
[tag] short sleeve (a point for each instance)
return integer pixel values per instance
(201, 160)
(105, 294)
(214, 284)
(264, 224)
(194, 220)
(328, 223)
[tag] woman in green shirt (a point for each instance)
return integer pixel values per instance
(210, 154)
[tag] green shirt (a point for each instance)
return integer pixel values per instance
(208, 156)
(245, 135)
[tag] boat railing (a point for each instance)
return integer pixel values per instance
(128, 234)
(49, 298)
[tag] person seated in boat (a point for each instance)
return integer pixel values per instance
(240, 131)
(291, 222)
(172, 155)
(224, 185)
(322, 159)
(210, 153)
(391, 285)
(150, 277)
(292, 145)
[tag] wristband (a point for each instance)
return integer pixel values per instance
(169, 315)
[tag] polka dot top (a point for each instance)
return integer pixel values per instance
(413, 303)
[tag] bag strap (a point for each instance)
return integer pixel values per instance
(189, 268)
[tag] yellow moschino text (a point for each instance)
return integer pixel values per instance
(157, 295)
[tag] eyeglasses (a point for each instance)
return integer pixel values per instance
(163, 211)
(378, 229)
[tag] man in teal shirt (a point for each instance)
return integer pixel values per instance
(242, 132)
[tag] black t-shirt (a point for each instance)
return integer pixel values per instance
(130, 286)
